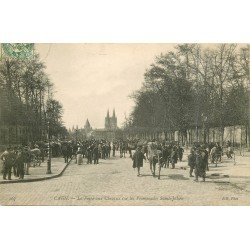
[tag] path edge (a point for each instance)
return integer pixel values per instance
(37, 179)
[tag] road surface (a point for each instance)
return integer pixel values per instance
(115, 182)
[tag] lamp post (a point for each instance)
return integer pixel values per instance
(204, 120)
(49, 148)
(49, 154)
(76, 135)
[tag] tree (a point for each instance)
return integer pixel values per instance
(24, 85)
(194, 84)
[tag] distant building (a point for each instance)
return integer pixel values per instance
(111, 122)
(87, 127)
(110, 131)
(81, 133)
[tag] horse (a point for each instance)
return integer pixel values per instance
(154, 156)
(66, 151)
(36, 156)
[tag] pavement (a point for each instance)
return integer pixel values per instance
(115, 182)
(38, 173)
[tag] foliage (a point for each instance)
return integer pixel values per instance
(193, 85)
(25, 91)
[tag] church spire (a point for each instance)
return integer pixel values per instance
(108, 113)
(87, 124)
(113, 112)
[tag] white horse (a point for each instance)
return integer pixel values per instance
(36, 156)
(153, 157)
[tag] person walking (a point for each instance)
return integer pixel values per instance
(79, 157)
(138, 160)
(89, 155)
(191, 162)
(27, 159)
(96, 154)
(174, 156)
(180, 151)
(200, 164)
(19, 163)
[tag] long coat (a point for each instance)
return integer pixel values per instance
(138, 159)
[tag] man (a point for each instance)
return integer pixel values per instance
(96, 154)
(180, 151)
(200, 165)
(165, 156)
(206, 156)
(27, 159)
(79, 156)
(108, 150)
(89, 155)
(174, 156)
(138, 160)
(19, 163)
(8, 160)
(191, 162)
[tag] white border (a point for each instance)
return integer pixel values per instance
(124, 227)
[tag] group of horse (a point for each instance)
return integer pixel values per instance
(39, 151)
(162, 155)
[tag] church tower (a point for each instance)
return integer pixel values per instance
(111, 122)
(87, 126)
(107, 121)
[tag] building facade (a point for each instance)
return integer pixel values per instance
(111, 122)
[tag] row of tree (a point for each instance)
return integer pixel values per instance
(194, 85)
(26, 96)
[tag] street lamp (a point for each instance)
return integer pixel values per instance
(204, 120)
(49, 154)
(49, 148)
(76, 135)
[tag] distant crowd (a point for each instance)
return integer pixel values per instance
(160, 154)
(167, 154)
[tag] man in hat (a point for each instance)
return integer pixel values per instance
(191, 162)
(19, 163)
(8, 159)
(138, 160)
(174, 156)
(79, 156)
(200, 165)
(89, 155)
(27, 159)
(180, 151)
(96, 154)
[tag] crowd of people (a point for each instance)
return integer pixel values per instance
(167, 154)
(17, 160)
(159, 154)
(93, 150)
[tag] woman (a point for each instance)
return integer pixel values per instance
(138, 160)
(79, 157)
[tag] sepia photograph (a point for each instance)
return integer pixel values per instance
(124, 124)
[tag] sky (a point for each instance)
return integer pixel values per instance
(89, 79)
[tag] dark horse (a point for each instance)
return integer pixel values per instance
(66, 152)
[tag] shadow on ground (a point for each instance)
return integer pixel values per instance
(169, 176)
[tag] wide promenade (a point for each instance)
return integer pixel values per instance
(115, 182)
